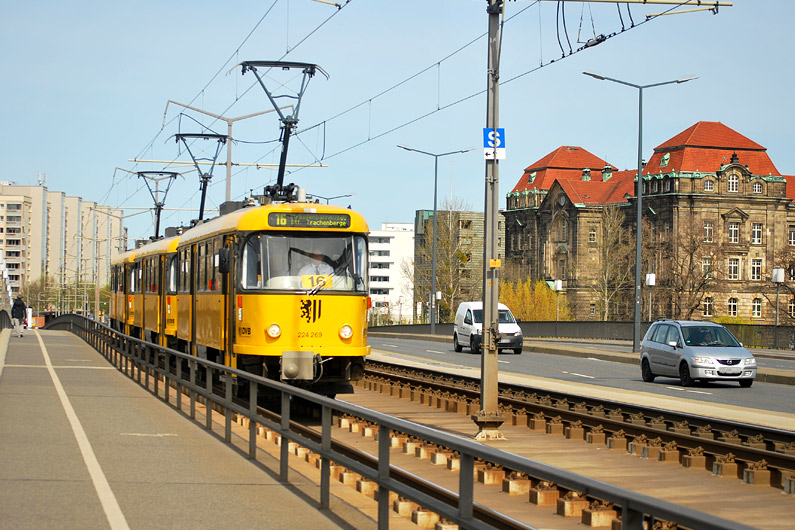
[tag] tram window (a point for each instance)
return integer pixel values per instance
(173, 275)
(200, 273)
(251, 273)
(133, 278)
(286, 261)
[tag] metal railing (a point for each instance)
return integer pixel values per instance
(143, 361)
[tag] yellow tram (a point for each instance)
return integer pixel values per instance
(279, 290)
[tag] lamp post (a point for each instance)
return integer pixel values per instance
(639, 193)
(436, 157)
(327, 199)
(778, 279)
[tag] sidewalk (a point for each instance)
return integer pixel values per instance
(82, 446)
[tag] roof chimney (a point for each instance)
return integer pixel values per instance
(607, 173)
(586, 174)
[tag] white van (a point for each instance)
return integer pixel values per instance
(469, 323)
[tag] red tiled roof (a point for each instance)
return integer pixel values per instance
(790, 185)
(710, 134)
(564, 163)
(706, 146)
(596, 192)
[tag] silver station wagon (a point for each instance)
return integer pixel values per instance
(695, 351)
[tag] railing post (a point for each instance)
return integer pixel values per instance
(178, 381)
(466, 486)
(631, 519)
(285, 424)
(192, 391)
(252, 425)
(384, 444)
(208, 408)
(325, 466)
(156, 359)
(227, 410)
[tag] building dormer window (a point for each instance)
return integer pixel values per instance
(664, 160)
(757, 188)
(709, 185)
(734, 183)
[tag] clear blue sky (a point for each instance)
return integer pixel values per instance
(85, 86)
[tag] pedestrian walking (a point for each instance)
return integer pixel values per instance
(18, 311)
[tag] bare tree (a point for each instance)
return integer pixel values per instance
(688, 268)
(614, 274)
(455, 276)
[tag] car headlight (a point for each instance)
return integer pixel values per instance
(346, 331)
(703, 360)
(752, 360)
(274, 331)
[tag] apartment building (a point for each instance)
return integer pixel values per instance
(391, 291)
(47, 234)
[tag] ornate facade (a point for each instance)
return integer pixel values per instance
(718, 217)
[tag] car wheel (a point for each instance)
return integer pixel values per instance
(645, 372)
(684, 375)
(456, 346)
(746, 383)
(474, 346)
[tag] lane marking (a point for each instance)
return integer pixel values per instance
(390, 345)
(434, 351)
(108, 500)
(4, 336)
(506, 362)
(59, 367)
(680, 389)
(579, 375)
(143, 434)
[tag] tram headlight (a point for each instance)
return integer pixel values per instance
(346, 332)
(274, 331)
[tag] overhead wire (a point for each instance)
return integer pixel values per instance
(324, 123)
(465, 98)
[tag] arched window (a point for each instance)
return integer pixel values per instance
(708, 306)
(756, 308)
(734, 183)
(732, 307)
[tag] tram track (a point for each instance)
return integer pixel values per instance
(690, 439)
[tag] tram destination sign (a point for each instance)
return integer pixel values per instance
(309, 220)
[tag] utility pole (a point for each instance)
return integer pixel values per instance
(488, 418)
(204, 177)
(280, 192)
(229, 123)
(157, 176)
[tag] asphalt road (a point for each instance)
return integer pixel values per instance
(590, 369)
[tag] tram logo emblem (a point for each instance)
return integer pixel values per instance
(310, 310)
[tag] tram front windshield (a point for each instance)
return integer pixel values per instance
(304, 262)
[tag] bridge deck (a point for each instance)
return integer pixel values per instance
(82, 446)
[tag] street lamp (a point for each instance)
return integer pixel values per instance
(639, 193)
(433, 260)
(778, 279)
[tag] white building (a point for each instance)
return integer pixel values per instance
(47, 234)
(391, 292)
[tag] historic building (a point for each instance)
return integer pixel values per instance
(718, 218)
